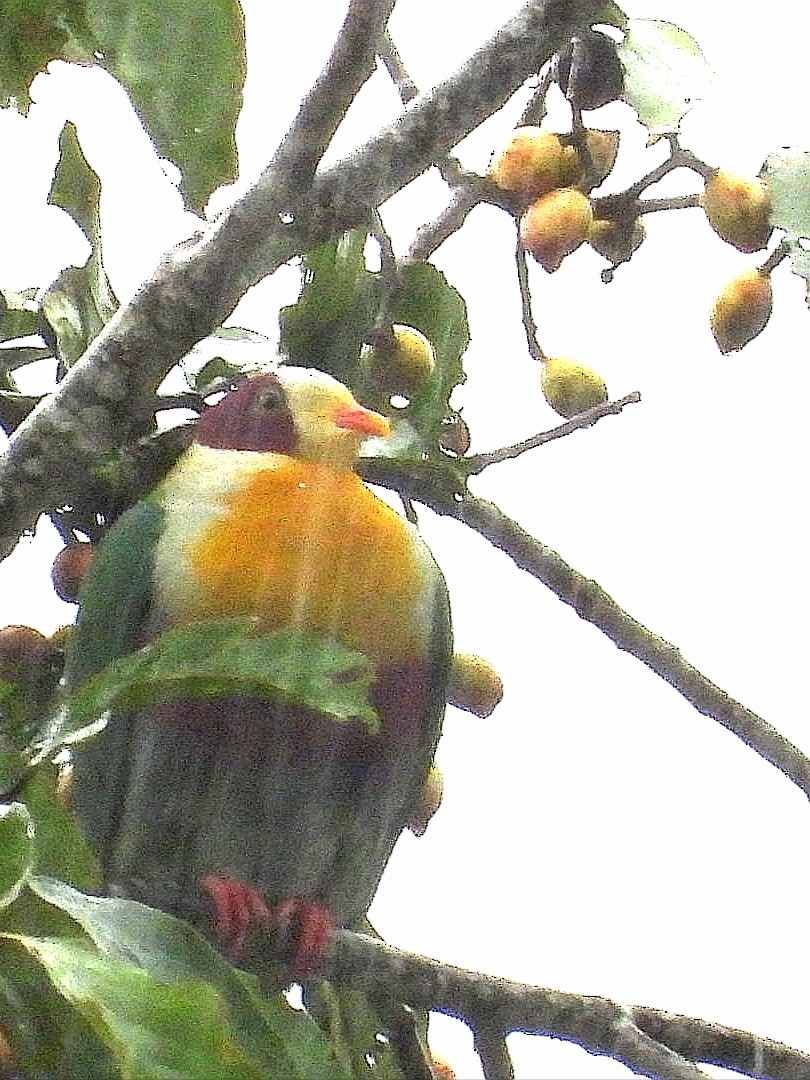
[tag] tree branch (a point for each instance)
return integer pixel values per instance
(649, 1041)
(476, 463)
(105, 399)
(590, 601)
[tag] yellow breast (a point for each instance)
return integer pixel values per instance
(303, 545)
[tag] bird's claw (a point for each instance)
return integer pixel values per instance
(239, 907)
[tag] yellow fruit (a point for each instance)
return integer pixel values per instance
(400, 366)
(474, 684)
(532, 163)
(429, 801)
(616, 240)
(571, 388)
(742, 310)
(738, 209)
(441, 1068)
(555, 225)
(603, 147)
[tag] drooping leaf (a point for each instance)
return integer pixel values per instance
(232, 656)
(16, 850)
(139, 947)
(32, 34)
(183, 64)
(339, 300)
(81, 301)
(665, 73)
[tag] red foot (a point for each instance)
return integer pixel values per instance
(238, 907)
(316, 928)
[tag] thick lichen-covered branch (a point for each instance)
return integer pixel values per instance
(104, 400)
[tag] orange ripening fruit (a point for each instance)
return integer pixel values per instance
(742, 310)
(532, 163)
(555, 225)
(738, 210)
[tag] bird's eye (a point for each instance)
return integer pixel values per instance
(270, 400)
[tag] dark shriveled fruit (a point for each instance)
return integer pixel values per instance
(588, 70)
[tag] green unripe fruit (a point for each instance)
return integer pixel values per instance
(571, 388)
(400, 366)
(742, 310)
(555, 225)
(738, 210)
(532, 163)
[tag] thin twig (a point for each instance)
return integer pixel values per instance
(476, 463)
(590, 601)
(433, 234)
(389, 54)
(529, 325)
(491, 1048)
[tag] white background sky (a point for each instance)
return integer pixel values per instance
(598, 835)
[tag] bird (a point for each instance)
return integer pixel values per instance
(273, 813)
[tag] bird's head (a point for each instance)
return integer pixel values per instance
(295, 411)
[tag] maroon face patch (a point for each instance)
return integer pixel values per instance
(254, 416)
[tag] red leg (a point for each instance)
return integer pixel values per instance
(316, 928)
(237, 908)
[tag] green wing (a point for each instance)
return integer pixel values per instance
(116, 597)
(113, 606)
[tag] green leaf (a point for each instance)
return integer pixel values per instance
(787, 175)
(665, 73)
(429, 303)
(610, 14)
(183, 64)
(16, 850)
(33, 33)
(339, 301)
(47, 1037)
(230, 656)
(81, 301)
(142, 946)
(19, 314)
(174, 1030)
(61, 849)
(354, 1029)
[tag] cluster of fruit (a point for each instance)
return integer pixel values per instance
(549, 176)
(546, 179)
